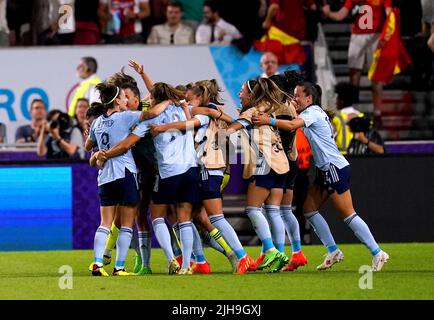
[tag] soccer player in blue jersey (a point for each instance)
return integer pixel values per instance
(143, 154)
(333, 176)
(177, 182)
(116, 179)
(212, 162)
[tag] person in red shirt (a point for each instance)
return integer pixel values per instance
(130, 13)
(288, 16)
(365, 32)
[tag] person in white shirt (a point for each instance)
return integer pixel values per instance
(215, 30)
(173, 31)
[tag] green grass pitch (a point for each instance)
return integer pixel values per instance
(409, 274)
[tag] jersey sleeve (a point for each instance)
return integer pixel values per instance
(142, 128)
(204, 120)
(131, 117)
(308, 116)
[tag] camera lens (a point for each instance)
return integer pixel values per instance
(54, 124)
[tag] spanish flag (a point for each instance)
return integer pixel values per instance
(390, 57)
(287, 48)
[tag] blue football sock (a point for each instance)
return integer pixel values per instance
(99, 242)
(228, 234)
(186, 235)
(277, 228)
(261, 227)
(291, 226)
(322, 230)
(163, 236)
(197, 246)
(362, 232)
(122, 246)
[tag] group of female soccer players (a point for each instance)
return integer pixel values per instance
(169, 154)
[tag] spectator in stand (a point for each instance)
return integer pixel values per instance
(2, 133)
(18, 14)
(79, 119)
(130, 13)
(158, 10)
(428, 17)
(44, 22)
(173, 31)
(86, 70)
(29, 133)
(364, 39)
(347, 97)
(88, 17)
(269, 64)
(213, 29)
(65, 33)
(59, 139)
(288, 16)
(4, 30)
(157, 15)
(247, 16)
(192, 12)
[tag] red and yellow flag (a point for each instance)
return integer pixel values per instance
(390, 57)
(287, 48)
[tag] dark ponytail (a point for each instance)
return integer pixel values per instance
(96, 109)
(315, 91)
(311, 89)
(108, 93)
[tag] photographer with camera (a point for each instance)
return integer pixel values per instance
(366, 139)
(59, 139)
